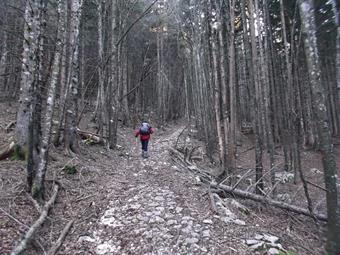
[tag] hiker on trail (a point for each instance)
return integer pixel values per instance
(144, 132)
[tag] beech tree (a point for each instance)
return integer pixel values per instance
(30, 65)
(38, 189)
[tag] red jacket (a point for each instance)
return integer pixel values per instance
(143, 137)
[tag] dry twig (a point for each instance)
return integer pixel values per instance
(61, 238)
(30, 233)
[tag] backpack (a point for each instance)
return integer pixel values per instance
(144, 129)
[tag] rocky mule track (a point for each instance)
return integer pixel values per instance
(158, 210)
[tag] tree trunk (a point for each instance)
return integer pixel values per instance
(336, 8)
(38, 187)
(113, 81)
(232, 92)
(100, 112)
(24, 133)
(218, 97)
(256, 104)
(320, 111)
(70, 136)
(3, 62)
(63, 90)
(28, 75)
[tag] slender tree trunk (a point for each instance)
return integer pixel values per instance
(113, 107)
(40, 77)
(256, 103)
(82, 66)
(320, 111)
(101, 97)
(38, 187)
(267, 87)
(125, 82)
(232, 91)
(24, 132)
(70, 137)
(3, 62)
(218, 97)
(160, 85)
(29, 66)
(336, 8)
(63, 90)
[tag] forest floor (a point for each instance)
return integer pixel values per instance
(123, 204)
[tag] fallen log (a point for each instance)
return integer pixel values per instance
(269, 201)
(61, 238)
(91, 136)
(7, 151)
(245, 194)
(32, 230)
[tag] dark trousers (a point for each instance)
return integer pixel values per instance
(145, 145)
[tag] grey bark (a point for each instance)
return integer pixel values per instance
(232, 91)
(336, 8)
(320, 111)
(3, 61)
(100, 107)
(218, 95)
(28, 74)
(71, 143)
(113, 85)
(38, 187)
(256, 101)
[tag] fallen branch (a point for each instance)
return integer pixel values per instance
(180, 157)
(61, 238)
(83, 198)
(245, 194)
(264, 200)
(244, 176)
(315, 185)
(10, 126)
(180, 135)
(30, 233)
(246, 150)
(11, 217)
(212, 201)
(192, 152)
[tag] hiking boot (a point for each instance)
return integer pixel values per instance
(146, 155)
(143, 154)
